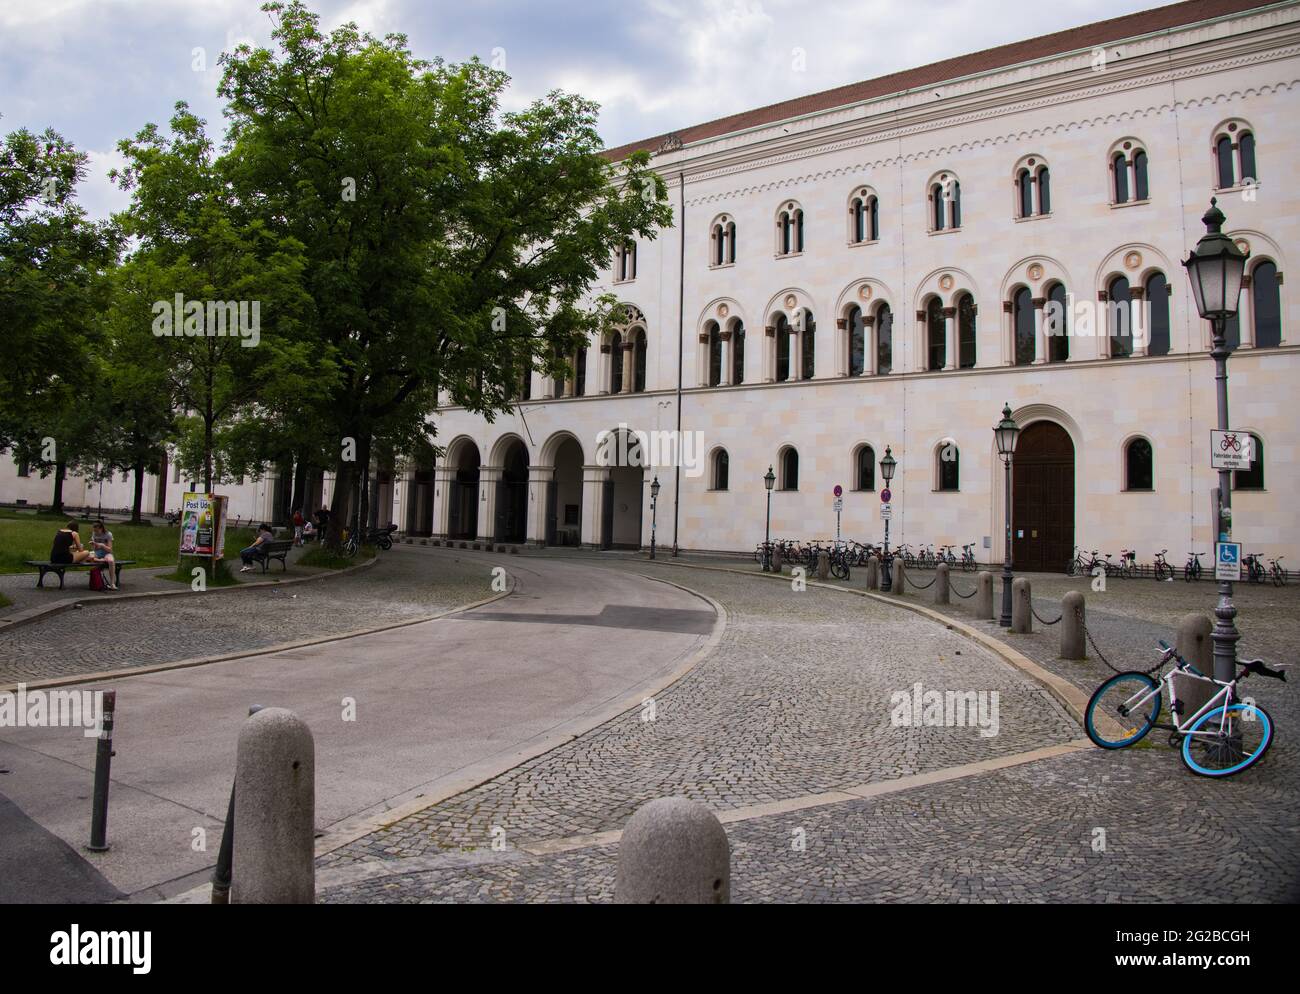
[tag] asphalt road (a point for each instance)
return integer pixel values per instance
(435, 702)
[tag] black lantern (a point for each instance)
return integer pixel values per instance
(1006, 431)
(654, 489)
(887, 466)
(769, 481)
(1215, 268)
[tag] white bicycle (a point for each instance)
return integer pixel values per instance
(1225, 736)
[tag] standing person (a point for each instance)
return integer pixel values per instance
(254, 551)
(101, 540)
(67, 548)
(298, 522)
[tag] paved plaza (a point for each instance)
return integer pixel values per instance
(519, 737)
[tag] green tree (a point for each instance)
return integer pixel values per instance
(449, 244)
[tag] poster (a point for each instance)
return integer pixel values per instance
(203, 525)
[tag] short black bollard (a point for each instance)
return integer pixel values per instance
(222, 872)
(103, 767)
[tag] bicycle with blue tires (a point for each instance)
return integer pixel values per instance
(1225, 736)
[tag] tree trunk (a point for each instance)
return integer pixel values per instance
(60, 471)
(298, 502)
(344, 479)
(138, 469)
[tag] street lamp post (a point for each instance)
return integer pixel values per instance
(887, 466)
(769, 481)
(1215, 268)
(1006, 431)
(654, 513)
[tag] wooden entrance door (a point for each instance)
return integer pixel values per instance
(1042, 504)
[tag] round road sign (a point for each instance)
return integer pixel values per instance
(838, 490)
(884, 496)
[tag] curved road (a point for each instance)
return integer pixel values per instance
(436, 704)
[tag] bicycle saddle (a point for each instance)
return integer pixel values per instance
(1257, 667)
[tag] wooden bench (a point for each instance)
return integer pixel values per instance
(89, 564)
(278, 549)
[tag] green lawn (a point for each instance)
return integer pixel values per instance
(28, 536)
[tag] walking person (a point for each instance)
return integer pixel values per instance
(298, 522)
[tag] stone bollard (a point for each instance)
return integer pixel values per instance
(1073, 643)
(823, 565)
(899, 585)
(275, 811)
(984, 599)
(873, 573)
(1194, 643)
(1022, 615)
(674, 851)
(941, 584)
(776, 559)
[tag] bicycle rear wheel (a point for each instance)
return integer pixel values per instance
(1111, 721)
(1246, 734)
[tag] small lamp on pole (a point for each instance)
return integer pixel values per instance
(887, 466)
(654, 513)
(1216, 268)
(1006, 431)
(769, 481)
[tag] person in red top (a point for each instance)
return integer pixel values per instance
(298, 522)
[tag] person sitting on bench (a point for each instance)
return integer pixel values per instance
(67, 548)
(102, 540)
(254, 552)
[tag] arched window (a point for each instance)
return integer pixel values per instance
(1223, 158)
(966, 331)
(1119, 171)
(884, 339)
(1266, 299)
(616, 362)
(1139, 472)
(1056, 323)
(738, 352)
(1025, 186)
(1253, 478)
(809, 335)
(1033, 188)
(864, 468)
(580, 373)
(857, 331)
(1044, 190)
(1141, 186)
(1157, 296)
(783, 370)
(731, 241)
(625, 262)
(789, 469)
(945, 203)
(721, 466)
(859, 210)
(1022, 314)
(947, 466)
(639, 353)
(722, 241)
(526, 383)
(1246, 152)
(1119, 315)
(789, 230)
(935, 335)
(715, 355)
(719, 246)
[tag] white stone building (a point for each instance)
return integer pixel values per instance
(881, 265)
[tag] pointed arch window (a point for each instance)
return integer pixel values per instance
(639, 358)
(1157, 299)
(616, 362)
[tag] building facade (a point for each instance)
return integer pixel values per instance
(887, 264)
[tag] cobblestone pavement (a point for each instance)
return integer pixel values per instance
(778, 711)
(405, 584)
(795, 700)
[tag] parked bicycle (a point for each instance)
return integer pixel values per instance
(1225, 736)
(1192, 569)
(1163, 571)
(1253, 568)
(1277, 572)
(968, 557)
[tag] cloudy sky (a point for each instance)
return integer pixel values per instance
(97, 70)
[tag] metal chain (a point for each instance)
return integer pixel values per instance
(921, 586)
(959, 593)
(1041, 619)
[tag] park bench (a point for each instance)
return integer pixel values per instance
(59, 568)
(273, 550)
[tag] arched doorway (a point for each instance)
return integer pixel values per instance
(419, 506)
(462, 507)
(564, 496)
(622, 490)
(1042, 504)
(512, 495)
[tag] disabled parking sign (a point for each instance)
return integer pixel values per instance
(1227, 561)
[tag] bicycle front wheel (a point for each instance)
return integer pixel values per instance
(1220, 744)
(1117, 715)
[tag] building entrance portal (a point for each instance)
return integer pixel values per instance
(1042, 484)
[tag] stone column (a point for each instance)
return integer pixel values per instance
(1131, 168)
(593, 479)
(950, 338)
(1040, 332)
(444, 478)
(704, 360)
(1137, 294)
(843, 347)
(1008, 335)
(571, 381)
(922, 335)
(629, 367)
(606, 368)
(488, 478)
(796, 354)
(769, 354)
(725, 337)
(538, 479)
(871, 345)
(1246, 314)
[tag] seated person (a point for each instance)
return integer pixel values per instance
(255, 551)
(308, 531)
(67, 548)
(101, 539)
